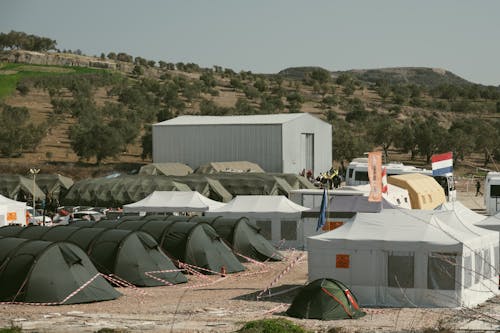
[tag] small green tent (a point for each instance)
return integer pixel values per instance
(243, 237)
(194, 244)
(325, 299)
(35, 271)
(133, 256)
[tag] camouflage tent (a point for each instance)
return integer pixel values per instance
(232, 167)
(19, 188)
(115, 192)
(165, 169)
(55, 185)
(206, 186)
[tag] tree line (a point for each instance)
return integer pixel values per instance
(412, 118)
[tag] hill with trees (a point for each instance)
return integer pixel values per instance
(62, 108)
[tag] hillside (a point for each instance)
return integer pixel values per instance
(421, 76)
(59, 91)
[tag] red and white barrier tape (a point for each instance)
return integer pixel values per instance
(83, 286)
(285, 271)
(167, 283)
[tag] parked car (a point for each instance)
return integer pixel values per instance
(38, 218)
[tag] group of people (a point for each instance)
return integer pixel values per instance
(330, 179)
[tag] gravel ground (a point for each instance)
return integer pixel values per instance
(214, 304)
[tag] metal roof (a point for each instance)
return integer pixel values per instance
(233, 120)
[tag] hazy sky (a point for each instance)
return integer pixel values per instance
(266, 36)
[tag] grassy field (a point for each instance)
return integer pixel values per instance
(11, 74)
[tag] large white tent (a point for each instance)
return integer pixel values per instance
(279, 219)
(12, 211)
(173, 201)
(409, 258)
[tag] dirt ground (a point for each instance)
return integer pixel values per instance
(215, 304)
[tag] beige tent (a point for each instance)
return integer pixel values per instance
(234, 166)
(424, 191)
(167, 169)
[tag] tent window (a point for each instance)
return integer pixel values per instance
(478, 266)
(468, 272)
(441, 271)
(494, 190)
(265, 229)
(486, 264)
(423, 199)
(288, 230)
(361, 175)
(400, 270)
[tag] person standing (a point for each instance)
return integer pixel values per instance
(478, 187)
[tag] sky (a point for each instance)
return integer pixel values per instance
(266, 36)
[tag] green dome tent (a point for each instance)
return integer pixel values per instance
(194, 244)
(130, 255)
(243, 237)
(325, 299)
(35, 271)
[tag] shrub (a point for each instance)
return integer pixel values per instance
(271, 326)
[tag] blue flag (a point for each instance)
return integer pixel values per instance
(322, 212)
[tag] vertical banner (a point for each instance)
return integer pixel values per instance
(375, 176)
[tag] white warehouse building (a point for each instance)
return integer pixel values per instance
(285, 143)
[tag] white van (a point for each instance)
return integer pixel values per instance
(357, 174)
(492, 193)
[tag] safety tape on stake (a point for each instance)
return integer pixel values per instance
(283, 273)
(123, 283)
(168, 283)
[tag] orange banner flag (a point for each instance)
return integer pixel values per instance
(375, 176)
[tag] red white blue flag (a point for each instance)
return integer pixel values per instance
(442, 163)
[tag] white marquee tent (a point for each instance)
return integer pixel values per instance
(12, 211)
(173, 201)
(279, 219)
(409, 258)
(491, 223)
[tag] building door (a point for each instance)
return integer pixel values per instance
(307, 151)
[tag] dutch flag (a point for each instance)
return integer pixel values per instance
(442, 163)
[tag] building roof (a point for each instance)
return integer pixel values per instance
(234, 120)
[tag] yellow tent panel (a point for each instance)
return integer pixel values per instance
(424, 191)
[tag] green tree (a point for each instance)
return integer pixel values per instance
(320, 75)
(16, 134)
(428, 136)
(405, 139)
(347, 142)
(383, 131)
(95, 139)
(147, 143)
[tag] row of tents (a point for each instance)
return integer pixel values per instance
(125, 189)
(137, 251)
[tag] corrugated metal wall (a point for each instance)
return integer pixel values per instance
(302, 135)
(199, 144)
